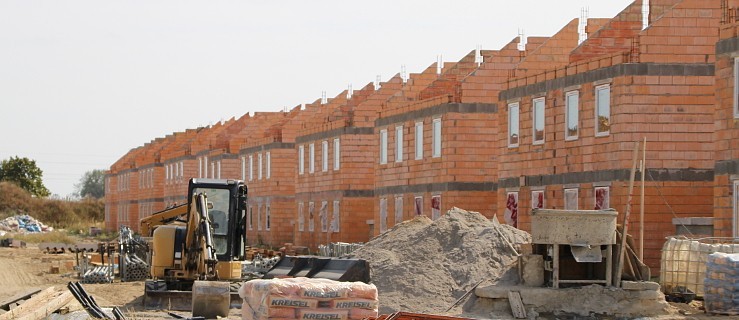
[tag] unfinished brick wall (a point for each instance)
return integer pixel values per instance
(726, 124)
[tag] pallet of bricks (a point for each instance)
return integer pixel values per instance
(304, 298)
(721, 285)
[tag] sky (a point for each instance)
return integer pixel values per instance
(83, 82)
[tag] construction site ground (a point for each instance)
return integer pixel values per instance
(28, 268)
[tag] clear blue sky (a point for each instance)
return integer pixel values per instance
(83, 82)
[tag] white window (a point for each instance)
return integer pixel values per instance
(259, 166)
(301, 219)
(572, 118)
(301, 159)
(603, 110)
(736, 208)
(602, 198)
(538, 120)
(213, 170)
(176, 171)
(511, 209)
(200, 167)
(269, 164)
(537, 199)
(335, 221)
(435, 207)
(311, 221)
(182, 169)
(218, 169)
(324, 156)
(383, 146)
(337, 154)
(571, 202)
(205, 167)
(251, 218)
(251, 167)
(398, 209)
(311, 158)
(323, 216)
(399, 144)
(243, 168)
(267, 217)
(436, 152)
(383, 214)
(736, 87)
(259, 216)
(418, 204)
(419, 140)
(513, 124)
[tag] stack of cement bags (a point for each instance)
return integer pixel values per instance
(304, 298)
(721, 285)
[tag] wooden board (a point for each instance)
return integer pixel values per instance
(517, 308)
(5, 305)
(37, 301)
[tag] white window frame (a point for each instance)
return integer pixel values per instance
(243, 168)
(383, 146)
(399, 143)
(311, 218)
(337, 154)
(336, 217)
(250, 221)
(323, 216)
(301, 159)
(418, 209)
(259, 166)
(538, 103)
(212, 170)
(251, 167)
(269, 164)
(218, 168)
(259, 217)
(324, 155)
(569, 94)
(398, 209)
(598, 89)
(577, 198)
(736, 208)
(534, 195)
(595, 196)
(383, 215)
(200, 167)
(435, 213)
(267, 217)
(736, 87)
(311, 158)
(301, 218)
(205, 163)
(419, 140)
(436, 138)
(511, 107)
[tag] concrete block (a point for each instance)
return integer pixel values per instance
(639, 286)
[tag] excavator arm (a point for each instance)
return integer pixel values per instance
(201, 253)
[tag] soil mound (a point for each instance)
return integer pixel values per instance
(424, 266)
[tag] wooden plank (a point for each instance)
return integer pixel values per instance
(21, 296)
(31, 304)
(49, 308)
(517, 308)
(622, 249)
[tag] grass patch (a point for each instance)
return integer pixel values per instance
(54, 236)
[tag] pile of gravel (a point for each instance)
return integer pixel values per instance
(424, 266)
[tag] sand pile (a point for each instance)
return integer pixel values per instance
(425, 266)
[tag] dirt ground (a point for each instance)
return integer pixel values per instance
(22, 269)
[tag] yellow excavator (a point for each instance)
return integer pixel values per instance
(201, 240)
(204, 240)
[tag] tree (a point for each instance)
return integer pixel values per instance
(24, 173)
(91, 185)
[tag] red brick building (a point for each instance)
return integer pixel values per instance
(547, 123)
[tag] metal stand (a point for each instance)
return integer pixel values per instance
(555, 268)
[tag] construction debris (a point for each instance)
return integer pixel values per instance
(23, 224)
(88, 302)
(41, 305)
(338, 249)
(424, 266)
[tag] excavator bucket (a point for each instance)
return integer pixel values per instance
(339, 269)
